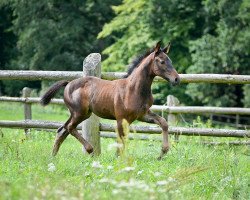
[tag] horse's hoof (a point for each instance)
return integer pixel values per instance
(53, 154)
(90, 150)
(164, 150)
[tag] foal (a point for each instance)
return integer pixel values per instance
(129, 98)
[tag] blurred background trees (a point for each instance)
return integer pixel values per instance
(54, 35)
(207, 37)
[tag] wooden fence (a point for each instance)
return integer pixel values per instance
(93, 127)
(159, 108)
(133, 128)
(173, 110)
(66, 75)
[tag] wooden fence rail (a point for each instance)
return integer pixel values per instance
(66, 75)
(26, 124)
(159, 108)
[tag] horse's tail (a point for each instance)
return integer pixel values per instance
(46, 98)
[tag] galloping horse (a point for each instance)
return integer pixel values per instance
(129, 98)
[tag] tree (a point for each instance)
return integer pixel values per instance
(138, 25)
(224, 49)
(7, 40)
(57, 35)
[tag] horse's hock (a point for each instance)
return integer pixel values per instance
(90, 127)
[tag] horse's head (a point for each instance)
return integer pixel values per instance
(162, 65)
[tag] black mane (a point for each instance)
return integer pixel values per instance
(135, 63)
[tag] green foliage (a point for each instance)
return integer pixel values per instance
(130, 24)
(246, 100)
(58, 35)
(7, 40)
(14, 87)
(138, 25)
(200, 124)
(224, 50)
(54, 35)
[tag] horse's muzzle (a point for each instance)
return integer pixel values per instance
(173, 81)
(176, 81)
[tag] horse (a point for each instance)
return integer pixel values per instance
(128, 98)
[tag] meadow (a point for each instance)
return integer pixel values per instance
(189, 171)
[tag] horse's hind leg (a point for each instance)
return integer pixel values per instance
(62, 133)
(73, 131)
(154, 118)
(84, 142)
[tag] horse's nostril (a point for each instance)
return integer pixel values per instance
(176, 81)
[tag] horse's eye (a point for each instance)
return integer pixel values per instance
(162, 62)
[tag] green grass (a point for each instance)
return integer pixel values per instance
(15, 111)
(188, 171)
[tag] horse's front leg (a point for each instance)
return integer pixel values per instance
(156, 119)
(121, 137)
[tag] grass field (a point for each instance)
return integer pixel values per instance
(189, 171)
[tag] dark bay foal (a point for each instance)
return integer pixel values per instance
(129, 98)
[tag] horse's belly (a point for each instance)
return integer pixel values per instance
(104, 114)
(103, 108)
(102, 102)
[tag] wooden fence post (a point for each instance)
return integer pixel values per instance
(91, 126)
(27, 106)
(172, 118)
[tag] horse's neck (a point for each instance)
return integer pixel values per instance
(141, 79)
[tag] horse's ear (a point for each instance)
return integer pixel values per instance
(157, 49)
(167, 48)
